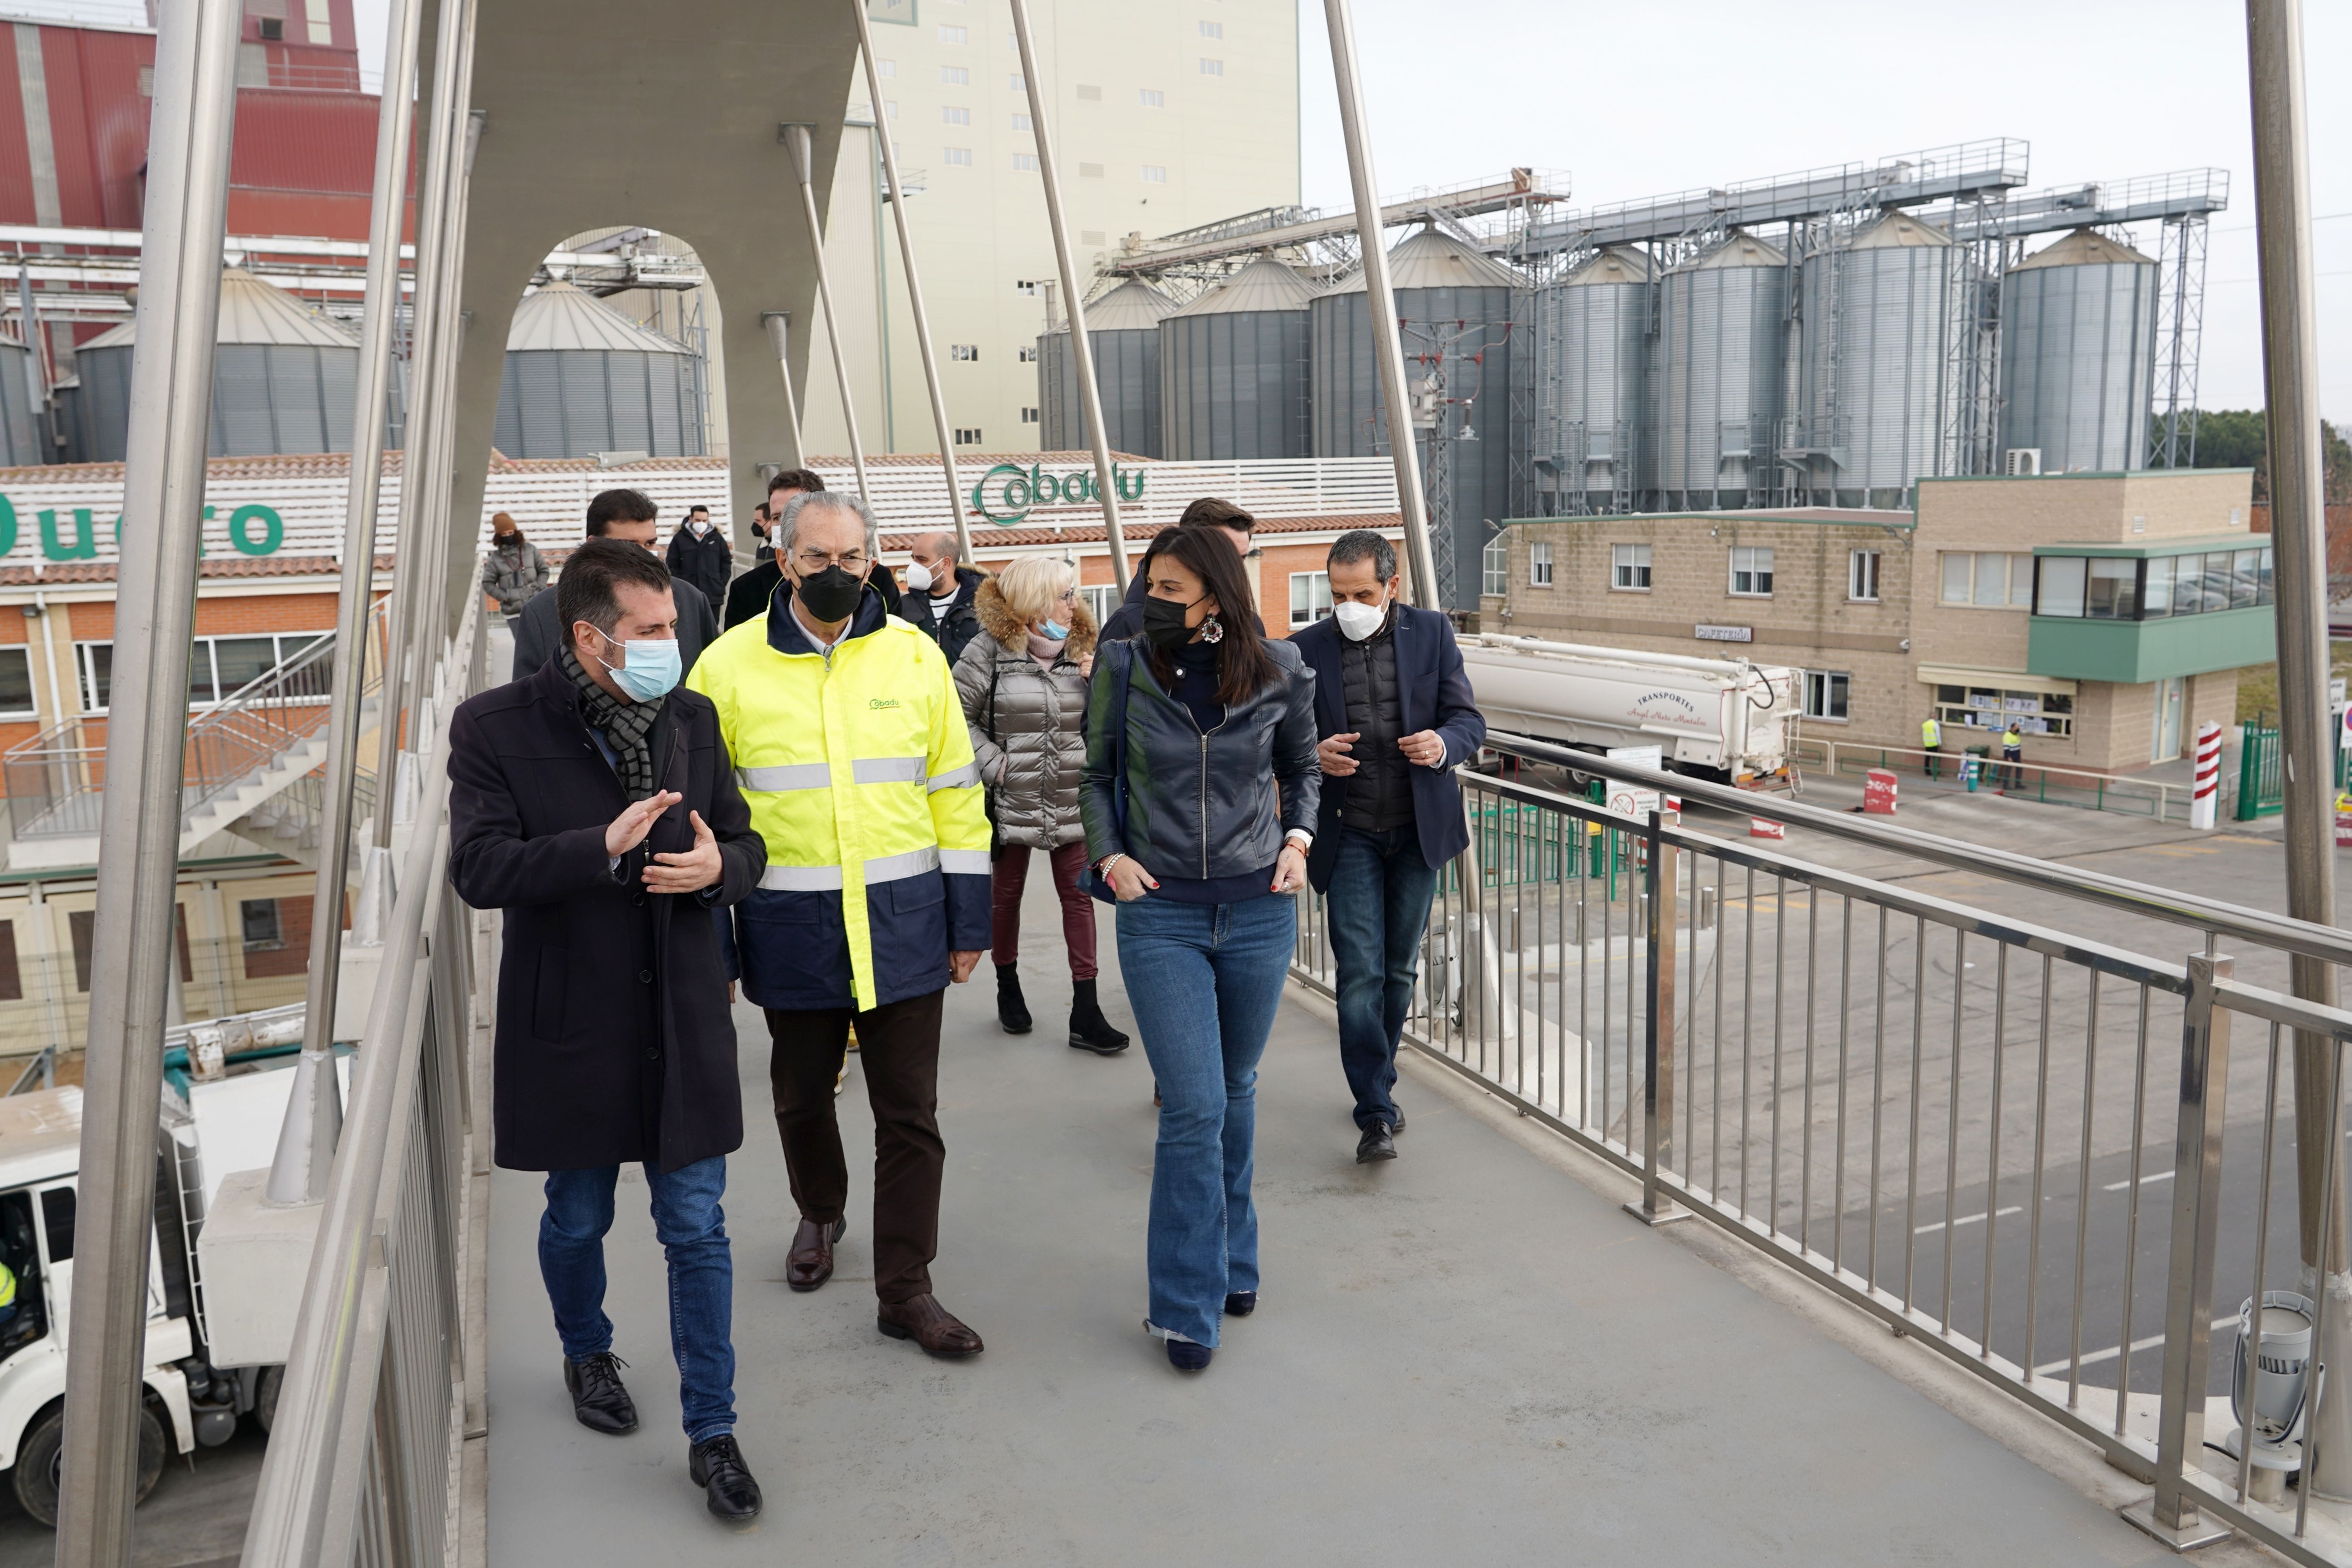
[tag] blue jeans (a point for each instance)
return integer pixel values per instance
(693, 1232)
(1203, 979)
(1377, 908)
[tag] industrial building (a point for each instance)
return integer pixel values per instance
(582, 379)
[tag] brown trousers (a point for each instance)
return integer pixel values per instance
(899, 1053)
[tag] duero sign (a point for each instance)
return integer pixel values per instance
(1007, 492)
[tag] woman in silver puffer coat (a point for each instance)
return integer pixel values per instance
(1025, 695)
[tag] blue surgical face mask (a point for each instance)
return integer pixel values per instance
(1053, 630)
(652, 670)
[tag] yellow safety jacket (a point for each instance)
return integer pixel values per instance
(7, 1287)
(1930, 735)
(2012, 736)
(858, 770)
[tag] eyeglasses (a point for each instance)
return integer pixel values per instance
(855, 563)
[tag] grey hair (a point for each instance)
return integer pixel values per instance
(1362, 544)
(786, 533)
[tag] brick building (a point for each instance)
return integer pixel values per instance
(2106, 613)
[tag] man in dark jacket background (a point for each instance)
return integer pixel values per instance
(631, 517)
(748, 599)
(701, 555)
(938, 596)
(594, 801)
(1396, 714)
(1207, 512)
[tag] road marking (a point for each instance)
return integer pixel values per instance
(2125, 1185)
(1971, 1219)
(2051, 1368)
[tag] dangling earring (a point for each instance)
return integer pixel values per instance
(1211, 631)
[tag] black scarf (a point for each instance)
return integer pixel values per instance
(626, 726)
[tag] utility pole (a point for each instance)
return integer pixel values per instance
(139, 835)
(2290, 379)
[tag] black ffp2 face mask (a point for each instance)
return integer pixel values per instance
(831, 594)
(1163, 622)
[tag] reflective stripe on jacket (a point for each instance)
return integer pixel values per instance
(859, 774)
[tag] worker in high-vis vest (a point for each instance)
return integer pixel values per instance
(8, 1293)
(2012, 753)
(850, 747)
(1931, 741)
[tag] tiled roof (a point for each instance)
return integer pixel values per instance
(64, 573)
(985, 538)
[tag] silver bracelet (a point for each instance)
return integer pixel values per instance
(1108, 861)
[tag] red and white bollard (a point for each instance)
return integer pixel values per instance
(2206, 800)
(1759, 828)
(1878, 792)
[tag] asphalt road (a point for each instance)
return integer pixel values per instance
(193, 1519)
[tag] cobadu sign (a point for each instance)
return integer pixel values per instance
(1008, 491)
(65, 534)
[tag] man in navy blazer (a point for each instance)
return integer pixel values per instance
(1396, 715)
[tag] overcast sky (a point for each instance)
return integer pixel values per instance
(1632, 100)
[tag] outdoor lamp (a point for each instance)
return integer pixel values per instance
(2281, 1376)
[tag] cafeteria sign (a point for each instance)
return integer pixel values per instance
(1018, 489)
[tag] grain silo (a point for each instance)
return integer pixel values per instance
(1232, 369)
(580, 378)
(1878, 384)
(2078, 355)
(284, 377)
(1592, 348)
(1123, 328)
(1458, 311)
(1717, 375)
(21, 443)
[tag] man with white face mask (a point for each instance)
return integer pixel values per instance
(1396, 715)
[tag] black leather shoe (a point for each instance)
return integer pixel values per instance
(717, 1467)
(1090, 1030)
(1397, 1125)
(1376, 1143)
(598, 1398)
(1240, 1303)
(1186, 1356)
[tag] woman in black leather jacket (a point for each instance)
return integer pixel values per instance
(1198, 795)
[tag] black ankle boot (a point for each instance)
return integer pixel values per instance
(1012, 1011)
(1090, 1030)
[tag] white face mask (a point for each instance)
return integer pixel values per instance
(918, 577)
(1358, 621)
(700, 525)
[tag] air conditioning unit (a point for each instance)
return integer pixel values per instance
(2024, 462)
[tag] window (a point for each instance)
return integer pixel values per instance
(1539, 566)
(890, 111)
(898, 12)
(1028, 353)
(1628, 568)
(2126, 588)
(1212, 68)
(968, 353)
(1151, 97)
(57, 1222)
(260, 926)
(955, 76)
(959, 156)
(1022, 122)
(1028, 416)
(17, 682)
(273, 29)
(1751, 570)
(1016, 83)
(12, 979)
(1099, 601)
(1494, 566)
(1155, 173)
(1089, 94)
(951, 35)
(949, 114)
(968, 437)
(1825, 694)
(1989, 581)
(1212, 29)
(1862, 575)
(887, 68)
(81, 930)
(276, 936)
(1027, 286)
(218, 667)
(1310, 597)
(1090, 170)
(321, 22)
(1980, 707)
(1024, 163)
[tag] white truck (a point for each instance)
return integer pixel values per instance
(1725, 719)
(210, 1129)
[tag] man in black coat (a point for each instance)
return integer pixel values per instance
(629, 516)
(701, 555)
(594, 801)
(1397, 716)
(940, 594)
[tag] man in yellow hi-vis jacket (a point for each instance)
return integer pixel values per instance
(850, 748)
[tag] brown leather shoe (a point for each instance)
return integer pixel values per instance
(929, 1324)
(810, 1262)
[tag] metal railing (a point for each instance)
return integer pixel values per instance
(2003, 1139)
(361, 1462)
(56, 780)
(2158, 799)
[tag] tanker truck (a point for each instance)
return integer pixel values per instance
(1723, 720)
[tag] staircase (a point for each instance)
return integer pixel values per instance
(255, 765)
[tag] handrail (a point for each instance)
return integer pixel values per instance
(2282, 932)
(2122, 785)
